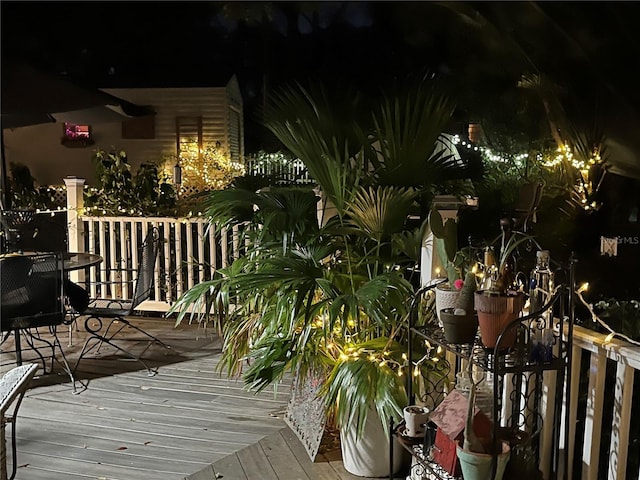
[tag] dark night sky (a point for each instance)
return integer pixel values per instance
(480, 48)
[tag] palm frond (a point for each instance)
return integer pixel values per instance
(231, 207)
(359, 382)
(409, 243)
(380, 211)
(303, 122)
(406, 128)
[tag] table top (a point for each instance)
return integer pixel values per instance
(72, 260)
(79, 260)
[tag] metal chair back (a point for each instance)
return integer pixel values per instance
(146, 267)
(31, 291)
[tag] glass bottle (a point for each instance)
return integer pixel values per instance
(507, 267)
(489, 269)
(540, 292)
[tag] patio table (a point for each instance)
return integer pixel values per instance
(80, 260)
(72, 260)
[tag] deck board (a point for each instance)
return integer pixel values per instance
(255, 463)
(186, 422)
(127, 425)
(281, 458)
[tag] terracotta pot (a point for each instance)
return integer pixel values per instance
(445, 298)
(459, 328)
(495, 312)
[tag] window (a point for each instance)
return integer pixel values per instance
(189, 137)
(74, 135)
(139, 128)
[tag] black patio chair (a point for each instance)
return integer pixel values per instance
(116, 309)
(32, 297)
(13, 224)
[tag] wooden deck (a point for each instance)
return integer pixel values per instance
(185, 422)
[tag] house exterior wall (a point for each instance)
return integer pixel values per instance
(40, 149)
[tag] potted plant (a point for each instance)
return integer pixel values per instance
(501, 303)
(476, 456)
(460, 323)
(330, 296)
(456, 263)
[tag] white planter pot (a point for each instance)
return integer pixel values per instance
(415, 417)
(368, 456)
(445, 298)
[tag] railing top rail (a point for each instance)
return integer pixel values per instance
(615, 349)
(142, 219)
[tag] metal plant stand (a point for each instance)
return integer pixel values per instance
(521, 414)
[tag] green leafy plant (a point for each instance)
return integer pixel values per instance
(504, 273)
(305, 292)
(118, 192)
(22, 189)
(456, 262)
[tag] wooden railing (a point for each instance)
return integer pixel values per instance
(601, 405)
(191, 250)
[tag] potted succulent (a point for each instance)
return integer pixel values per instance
(501, 303)
(460, 323)
(456, 263)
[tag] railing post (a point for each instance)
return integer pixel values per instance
(75, 225)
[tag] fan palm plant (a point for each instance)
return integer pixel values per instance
(308, 294)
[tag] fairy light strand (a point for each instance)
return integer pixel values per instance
(596, 318)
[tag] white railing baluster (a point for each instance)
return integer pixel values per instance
(236, 242)
(211, 233)
(201, 262)
(576, 363)
(179, 278)
(189, 241)
(135, 241)
(166, 261)
(547, 409)
(125, 253)
(223, 246)
(619, 446)
(105, 255)
(593, 418)
(92, 249)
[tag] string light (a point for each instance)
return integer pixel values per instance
(596, 318)
(206, 168)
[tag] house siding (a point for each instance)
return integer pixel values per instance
(39, 146)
